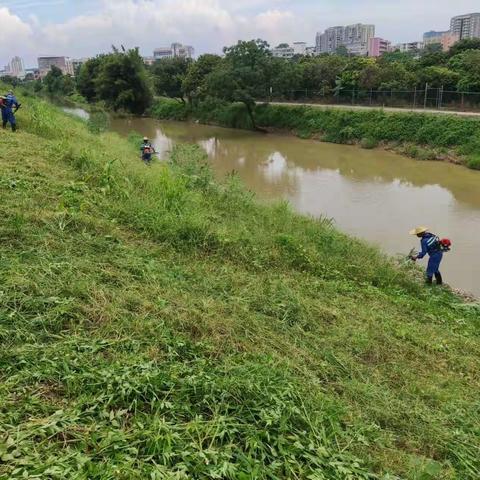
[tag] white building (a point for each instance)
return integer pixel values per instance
(16, 68)
(300, 48)
(354, 37)
(466, 26)
(411, 47)
(176, 50)
(283, 51)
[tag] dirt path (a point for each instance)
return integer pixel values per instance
(386, 109)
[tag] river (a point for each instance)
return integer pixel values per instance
(372, 194)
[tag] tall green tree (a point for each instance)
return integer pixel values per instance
(56, 83)
(438, 76)
(87, 77)
(243, 76)
(193, 84)
(464, 45)
(467, 66)
(169, 75)
(322, 72)
(122, 82)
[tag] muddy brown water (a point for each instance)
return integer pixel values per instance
(372, 194)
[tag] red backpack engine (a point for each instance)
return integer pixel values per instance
(445, 244)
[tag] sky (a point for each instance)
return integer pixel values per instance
(78, 28)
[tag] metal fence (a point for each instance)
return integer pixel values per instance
(426, 98)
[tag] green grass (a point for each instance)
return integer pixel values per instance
(157, 324)
(425, 137)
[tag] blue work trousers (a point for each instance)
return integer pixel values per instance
(434, 264)
(8, 117)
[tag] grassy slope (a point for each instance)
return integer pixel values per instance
(426, 137)
(155, 324)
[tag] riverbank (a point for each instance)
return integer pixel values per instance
(161, 324)
(420, 136)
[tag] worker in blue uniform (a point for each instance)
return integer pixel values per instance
(431, 246)
(147, 150)
(10, 106)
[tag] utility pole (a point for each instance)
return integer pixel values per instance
(426, 96)
(415, 98)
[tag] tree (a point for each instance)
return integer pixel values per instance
(193, 84)
(397, 76)
(342, 51)
(87, 76)
(464, 45)
(243, 75)
(169, 75)
(437, 77)
(9, 80)
(321, 72)
(433, 56)
(467, 66)
(122, 82)
(56, 83)
(284, 76)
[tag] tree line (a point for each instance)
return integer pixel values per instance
(247, 72)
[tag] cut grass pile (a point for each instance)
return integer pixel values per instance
(156, 324)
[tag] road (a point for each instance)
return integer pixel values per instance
(385, 109)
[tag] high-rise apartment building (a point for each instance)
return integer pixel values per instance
(45, 64)
(17, 68)
(176, 50)
(466, 26)
(354, 37)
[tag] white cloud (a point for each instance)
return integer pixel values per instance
(15, 35)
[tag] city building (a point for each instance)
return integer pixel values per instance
(445, 39)
(45, 64)
(176, 50)
(410, 47)
(354, 37)
(330, 40)
(433, 37)
(449, 40)
(466, 26)
(284, 50)
(78, 62)
(148, 60)
(311, 51)
(378, 46)
(32, 73)
(17, 68)
(300, 48)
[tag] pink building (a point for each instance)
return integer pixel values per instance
(378, 46)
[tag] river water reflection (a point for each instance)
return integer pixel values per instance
(372, 194)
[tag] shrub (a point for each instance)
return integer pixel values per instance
(474, 162)
(168, 109)
(98, 122)
(369, 143)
